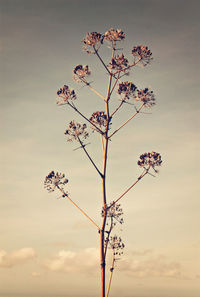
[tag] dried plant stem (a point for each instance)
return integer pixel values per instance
(96, 52)
(121, 103)
(102, 141)
(83, 146)
(116, 81)
(139, 178)
(127, 120)
(92, 89)
(108, 236)
(96, 92)
(102, 231)
(64, 194)
(111, 275)
(74, 107)
(130, 66)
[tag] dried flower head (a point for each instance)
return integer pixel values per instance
(76, 131)
(114, 211)
(117, 245)
(146, 96)
(126, 90)
(65, 94)
(119, 63)
(81, 72)
(54, 180)
(150, 160)
(114, 35)
(143, 53)
(99, 119)
(91, 40)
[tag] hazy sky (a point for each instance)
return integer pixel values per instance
(46, 247)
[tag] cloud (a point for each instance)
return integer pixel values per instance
(36, 274)
(139, 264)
(150, 266)
(16, 257)
(67, 261)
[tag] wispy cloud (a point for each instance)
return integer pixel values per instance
(16, 257)
(140, 264)
(68, 261)
(150, 265)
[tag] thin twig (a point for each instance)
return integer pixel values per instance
(64, 194)
(96, 92)
(83, 146)
(114, 85)
(111, 275)
(127, 121)
(128, 67)
(96, 52)
(92, 89)
(74, 107)
(138, 179)
(102, 141)
(117, 108)
(108, 236)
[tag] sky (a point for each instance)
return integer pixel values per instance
(47, 248)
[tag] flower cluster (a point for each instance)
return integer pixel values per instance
(114, 35)
(114, 211)
(126, 90)
(75, 131)
(99, 119)
(81, 72)
(54, 180)
(150, 159)
(143, 53)
(119, 63)
(146, 96)
(65, 94)
(91, 40)
(117, 245)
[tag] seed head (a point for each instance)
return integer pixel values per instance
(117, 245)
(151, 160)
(143, 53)
(114, 211)
(126, 90)
(119, 63)
(65, 94)
(54, 180)
(76, 131)
(146, 96)
(114, 35)
(98, 118)
(91, 40)
(80, 72)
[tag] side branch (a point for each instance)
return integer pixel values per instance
(117, 108)
(130, 66)
(111, 275)
(127, 120)
(74, 107)
(64, 194)
(91, 88)
(96, 52)
(83, 146)
(138, 179)
(95, 91)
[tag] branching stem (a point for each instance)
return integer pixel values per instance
(64, 194)
(83, 146)
(138, 179)
(74, 107)
(111, 275)
(127, 120)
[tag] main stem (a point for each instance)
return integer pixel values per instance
(102, 231)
